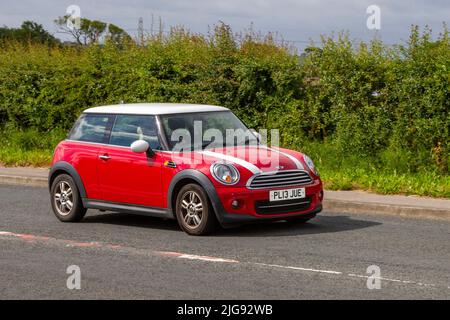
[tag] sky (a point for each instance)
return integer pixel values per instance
(299, 21)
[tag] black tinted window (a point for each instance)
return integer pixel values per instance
(222, 121)
(92, 128)
(129, 128)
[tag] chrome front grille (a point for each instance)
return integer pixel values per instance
(279, 179)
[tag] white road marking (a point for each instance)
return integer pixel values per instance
(298, 268)
(211, 259)
(392, 280)
(194, 257)
(98, 245)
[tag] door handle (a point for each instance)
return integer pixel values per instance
(105, 157)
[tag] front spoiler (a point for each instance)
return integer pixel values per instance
(232, 219)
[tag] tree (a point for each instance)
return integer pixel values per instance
(94, 29)
(28, 32)
(89, 31)
(116, 34)
(63, 27)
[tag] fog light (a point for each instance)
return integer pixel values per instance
(235, 204)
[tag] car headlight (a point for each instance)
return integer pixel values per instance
(310, 164)
(225, 173)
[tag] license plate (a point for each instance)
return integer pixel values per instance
(286, 194)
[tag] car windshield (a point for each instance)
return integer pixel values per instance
(189, 131)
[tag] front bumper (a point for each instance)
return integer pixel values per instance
(230, 219)
(247, 199)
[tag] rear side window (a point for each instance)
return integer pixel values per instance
(92, 128)
(129, 128)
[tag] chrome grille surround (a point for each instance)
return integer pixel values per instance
(279, 179)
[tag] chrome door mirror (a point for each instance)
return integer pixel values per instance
(140, 146)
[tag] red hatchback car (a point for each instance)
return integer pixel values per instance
(142, 159)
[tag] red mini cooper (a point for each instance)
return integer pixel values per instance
(198, 164)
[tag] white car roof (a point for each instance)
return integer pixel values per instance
(154, 108)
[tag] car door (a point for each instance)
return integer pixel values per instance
(83, 145)
(125, 176)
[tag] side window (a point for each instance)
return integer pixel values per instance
(92, 128)
(129, 128)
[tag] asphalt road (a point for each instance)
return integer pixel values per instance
(135, 257)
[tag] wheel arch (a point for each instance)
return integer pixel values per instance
(194, 176)
(63, 167)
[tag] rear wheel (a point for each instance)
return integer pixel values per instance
(193, 210)
(65, 198)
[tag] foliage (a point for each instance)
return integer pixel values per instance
(382, 109)
(29, 31)
(90, 31)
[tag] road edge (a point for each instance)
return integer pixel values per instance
(23, 181)
(355, 207)
(330, 204)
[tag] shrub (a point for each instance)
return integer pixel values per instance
(386, 105)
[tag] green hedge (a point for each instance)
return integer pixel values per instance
(370, 101)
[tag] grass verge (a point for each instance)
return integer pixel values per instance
(386, 173)
(338, 172)
(28, 148)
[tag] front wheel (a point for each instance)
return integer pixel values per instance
(66, 201)
(193, 210)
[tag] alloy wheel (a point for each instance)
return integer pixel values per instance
(63, 198)
(191, 209)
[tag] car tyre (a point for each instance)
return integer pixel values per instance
(194, 212)
(66, 200)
